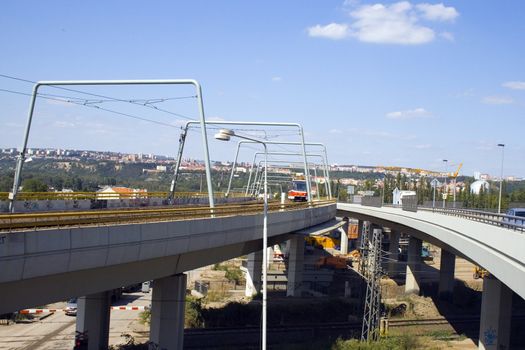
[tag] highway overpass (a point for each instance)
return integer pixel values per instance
(500, 250)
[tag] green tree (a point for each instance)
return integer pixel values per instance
(34, 185)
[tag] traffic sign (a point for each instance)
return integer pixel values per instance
(435, 183)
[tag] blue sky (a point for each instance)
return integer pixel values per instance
(381, 83)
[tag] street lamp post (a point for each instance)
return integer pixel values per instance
(225, 135)
(501, 175)
(445, 191)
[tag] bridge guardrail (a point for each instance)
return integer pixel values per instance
(9, 222)
(511, 222)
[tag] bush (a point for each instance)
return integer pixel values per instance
(404, 342)
(232, 273)
(192, 314)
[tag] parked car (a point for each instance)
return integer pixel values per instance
(71, 307)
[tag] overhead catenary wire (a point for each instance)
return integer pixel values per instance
(93, 106)
(108, 98)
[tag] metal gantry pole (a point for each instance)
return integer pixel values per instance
(501, 176)
(316, 184)
(182, 141)
(202, 122)
(297, 125)
(265, 250)
(445, 190)
(293, 154)
(318, 144)
(234, 165)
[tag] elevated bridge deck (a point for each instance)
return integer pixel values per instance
(46, 257)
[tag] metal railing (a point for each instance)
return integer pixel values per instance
(22, 221)
(507, 221)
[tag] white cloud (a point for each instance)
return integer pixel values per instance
(514, 85)
(423, 146)
(277, 79)
(397, 23)
(332, 31)
(335, 131)
(409, 114)
(497, 100)
(390, 24)
(437, 12)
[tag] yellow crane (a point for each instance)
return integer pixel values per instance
(454, 175)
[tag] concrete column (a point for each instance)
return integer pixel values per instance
(295, 266)
(167, 312)
(446, 275)
(253, 277)
(344, 240)
(393, 254)
(496, 312)
(93, 313)
(269, 256)
(412, 283)
(359, 232)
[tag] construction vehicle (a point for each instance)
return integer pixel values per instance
(334, 262)
(355, 255)
(480, 272)
(323, 242)
(298, 192)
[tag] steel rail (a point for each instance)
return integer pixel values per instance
(18, 221)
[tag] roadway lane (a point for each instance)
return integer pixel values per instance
(57, 332)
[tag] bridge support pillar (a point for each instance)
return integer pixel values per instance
(446, 275)
(359, 232)
(253, 276)
(295, 266)
(167, 312)
(496, 312)
(93, 313)
(413, 278)
(344, 239)
(393, 254)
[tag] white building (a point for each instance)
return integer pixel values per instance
(476, 186)
(398, 195)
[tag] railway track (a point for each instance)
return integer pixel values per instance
(10, 222)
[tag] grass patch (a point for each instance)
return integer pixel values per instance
(403, 342)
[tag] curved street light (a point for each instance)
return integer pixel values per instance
(226, 135)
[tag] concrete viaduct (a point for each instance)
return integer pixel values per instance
(499, 250)
(38, 267)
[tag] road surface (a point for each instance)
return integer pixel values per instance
(57, 332)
